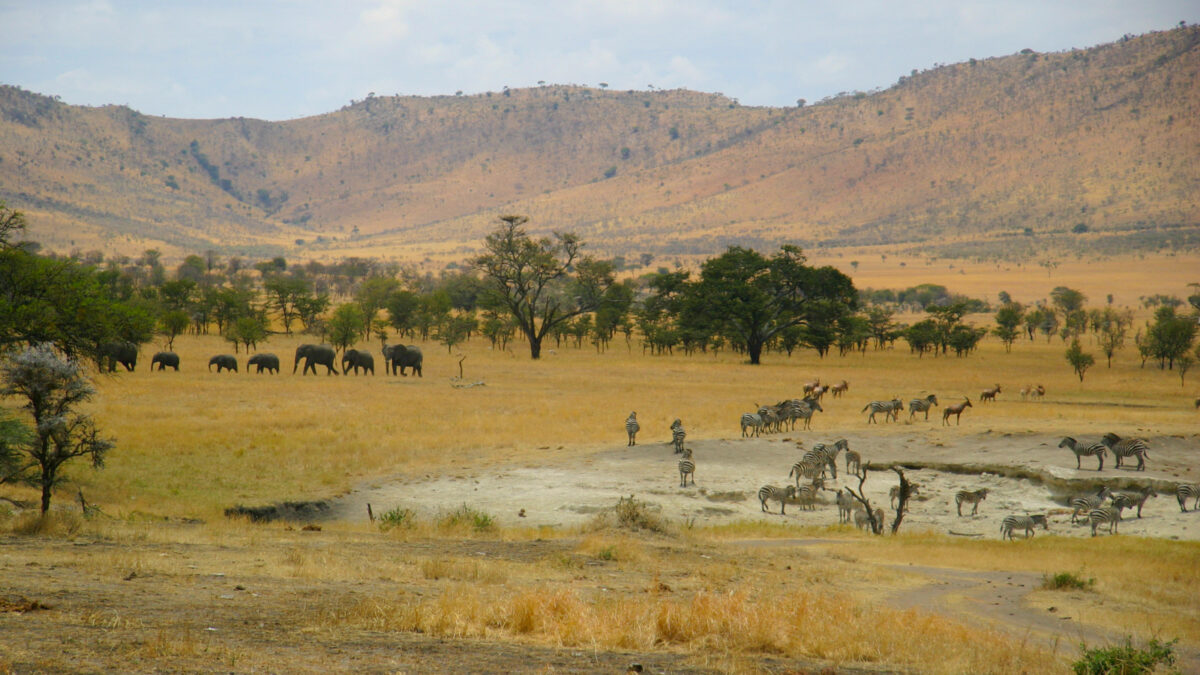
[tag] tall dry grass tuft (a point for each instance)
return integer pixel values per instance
(800, 625)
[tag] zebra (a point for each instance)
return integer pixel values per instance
(1081, 450)
(806, 495)
(631, 428)
(1185, 491)
(989, 394)
(806, 468)
(1128, 447)
(687, 467)
(972, 497)
(888, 408)
(751, 421)
(840, 388)
(677, 435)
(825, 456)
(779, 494)
(921, 405)
(1105, 514)
(1085, 504)
(845, 504)
(771, 419)
(852, 457)
(806, 409)
(862, 520)
(956, 410)
(894, 492)
(1137, 498)
(1011, 523)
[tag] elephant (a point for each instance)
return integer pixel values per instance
(224, 362)
(314, 355)
(356, 359)
(401, 357)
(164, 359)
(124, 353)
(268, 362)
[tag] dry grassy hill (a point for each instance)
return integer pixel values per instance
(994, 158)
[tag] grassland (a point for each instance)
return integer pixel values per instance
(163, 580)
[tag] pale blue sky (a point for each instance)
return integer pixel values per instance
(281, 59)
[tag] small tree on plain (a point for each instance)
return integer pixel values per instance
(1079, 360)
(52, 388)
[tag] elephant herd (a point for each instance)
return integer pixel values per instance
(396, 359)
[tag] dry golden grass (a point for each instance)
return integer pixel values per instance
(192, 443)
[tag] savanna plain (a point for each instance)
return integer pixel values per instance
(513, 530)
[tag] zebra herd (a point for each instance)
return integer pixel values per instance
(807, 477)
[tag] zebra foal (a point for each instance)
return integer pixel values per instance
(687, 467)
(1026, 523)
(677, 435)
(1085, 504)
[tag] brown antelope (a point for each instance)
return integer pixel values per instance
(809, 386)
(842, 387)
(1026, 391)
(989, 394)
(1038, 392)
(956, 410)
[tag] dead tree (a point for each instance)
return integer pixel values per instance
(876, 523)
(906, 489)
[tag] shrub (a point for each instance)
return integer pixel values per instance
(464, 515)
(1125, 660)
(636, 515)
(1066, 580)
(397, 517)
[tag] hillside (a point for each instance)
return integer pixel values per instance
(996, 158)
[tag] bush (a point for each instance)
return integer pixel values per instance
(635, 515)
(1066, 580)
(397, 517)
(468, 516)
(1126, 660)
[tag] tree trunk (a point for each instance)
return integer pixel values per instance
(46, 488)
(754, 349)
(535, 347)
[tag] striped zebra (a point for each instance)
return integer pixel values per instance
(806, 409)
(807, 468)
(1109, 515)
(894, 492)
(1026, 523)
(921, 405)
(677, 435)
(770, 418)
(845, 504)
(1186, 491)
(1129, 447)
(863, 521)
(631, 428)
(855, 459)
(806, 495)
(888, 408)
(1136, 498)
(956, 410)
(751, 421)
(830, 452)
(1081, 450)
(1085, 504)
(972, 497)
(687, 467)
(779, 494)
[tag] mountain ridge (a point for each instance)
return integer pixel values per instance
(1001, 157)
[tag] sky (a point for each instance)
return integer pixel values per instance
(284, 59)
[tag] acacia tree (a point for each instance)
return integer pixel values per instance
(541, 283)
(52, 387)
(1079, 360)
(1008, 321)
(749, 298)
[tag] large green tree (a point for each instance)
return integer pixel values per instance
(541, 283)
(750, 298)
